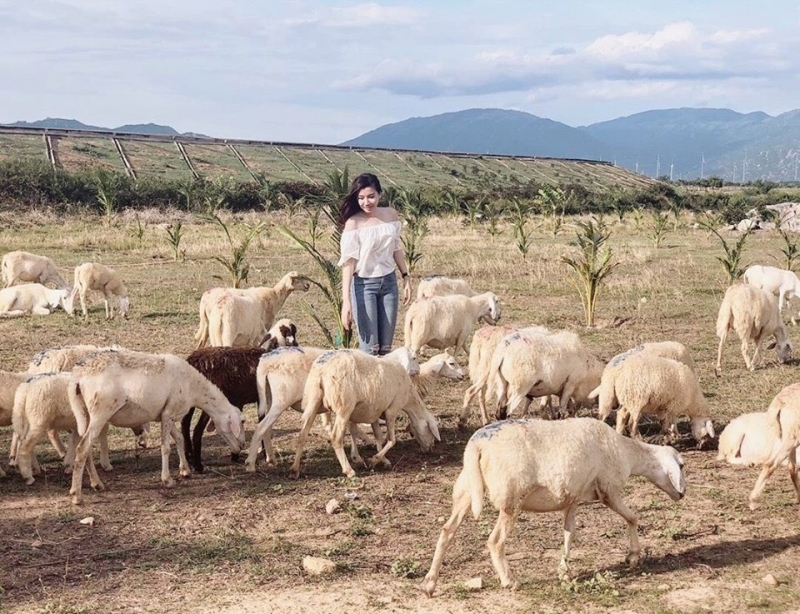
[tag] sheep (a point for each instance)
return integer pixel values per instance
(33, 299)
(783, 423)
(41, 405)
(240, 317)
(437, 285)
(534, 364)
(780, 282)
(665, 349)
(753, 314)
(281, 378)
(95, 276)
(442, 322)
(547, 466)
(644, 383)
(357, 387)
(233, 371)
(23, 266)
(9, 382)
(749, 439)
(133, 388)
(484, 342)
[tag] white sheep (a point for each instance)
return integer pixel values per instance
(9, 382)
(754, 315)
(357, 387)
(783, 422)
(647, 384)
(241, 317)
(95, 276)
(750, 439)
(22, 266)
(527, 364)
(481, 350)
(33, 299)
(780, 282)
(548, 466)
(443, 322)
(134, 388)
(437, 285)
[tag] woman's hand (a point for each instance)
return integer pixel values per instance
(407, 290)
(347, 315)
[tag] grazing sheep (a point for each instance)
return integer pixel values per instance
(95, 276)
(357, 387)
(648, 384)
(23, 266)
(241, 317)
(442, 322)
(549, 466)
(33, 299)
(783, 422)
(484, 342)
(135, 388)
(664, 349)
(780, 282)
(754, 315)
(233, 371)
(437, 285)
(529, 364)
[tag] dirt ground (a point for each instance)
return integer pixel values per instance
(230, 542)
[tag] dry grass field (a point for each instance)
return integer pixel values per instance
(232, 542)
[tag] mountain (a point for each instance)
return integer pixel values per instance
(485, 131)
(73, 124)
(685, 142)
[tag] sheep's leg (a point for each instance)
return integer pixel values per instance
(355, 435)
(497, 547)
(756, 354)
(308, 422)
(83, 454)
(787, 447)
(722, 339)
(633, 423)
(82, 296)
(380, 457)
(569, 532)
(166, 429)
(622, 418)
(69, 457)
(183, 465)
(263, 433)
(14, 450)
(337, 441)
(468, 396)
(105, 460)
(26, 452)
(566, 396)
(745, 351)
(616, 504)
(461, 506)
(793, 475)
(40, 311)
(55, 441)
(197, 441)
(380, 440)
(108, 305)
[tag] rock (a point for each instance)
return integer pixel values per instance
(770, 579)
(315, 566)
(474, 584)
(89, 520)
(333, 506)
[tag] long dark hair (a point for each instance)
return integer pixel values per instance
(349, 205)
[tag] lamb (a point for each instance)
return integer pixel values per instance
(133, 388)
(33, 299)
(750, 439)
(535, 364)
(281, 378)
(357, 387)
(644, 383)
(437, 285)
(780, 282)
(23, 266)
(442, 322)
(548, 466)
(664, 349)
(95, 276)
(233, 371)
(484, 342)
(783, 423)
(241, 317)
(753, 314)
(9, 382)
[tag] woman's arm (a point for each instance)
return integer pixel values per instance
(347, 283)
(400, 260)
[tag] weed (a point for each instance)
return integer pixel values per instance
(237, 265)
(731, 261)
(790, 250)
(416, 227)
(600, 583)
(138, 230)
(174, 238)
(461, 592)
(658, 228)
(107, 187)
(404, 567)
(360, 528)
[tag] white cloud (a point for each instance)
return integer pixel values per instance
(372, 14)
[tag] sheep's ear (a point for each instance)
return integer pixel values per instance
(294, 329)
(710, 428)
(772, 345)
(236, 426)
(431, 419)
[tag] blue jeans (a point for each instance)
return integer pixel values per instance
(375, 312)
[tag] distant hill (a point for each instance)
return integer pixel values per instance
(73, 124)
(689, 142)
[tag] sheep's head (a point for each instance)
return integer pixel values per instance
(405, 357)
(283, 333)
(668, 473)
(491, 313)
(124, 305)
(296, 281)
(423, 427)
(232, 428)
(67, 300)
(783, 347)
(445, 365)
(702, 430)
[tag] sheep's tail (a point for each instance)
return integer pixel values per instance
(313, 395)
(607, 394)
(202, 331)
(78, 405)
(473, 478)
(724, 318)
(595, 393)
(407, 328)
(19, 416)
(497, 382)
(6, 272)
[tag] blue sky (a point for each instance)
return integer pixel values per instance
(326, 71)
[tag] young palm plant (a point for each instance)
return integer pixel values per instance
(592, 266)
(413, 209)
(107, 187)
(658, 228)
(790, 250)
(732, 259)
(174, 237)
(237, 265)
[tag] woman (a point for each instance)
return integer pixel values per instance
(370, 251)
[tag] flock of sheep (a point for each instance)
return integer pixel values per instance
(244, 356)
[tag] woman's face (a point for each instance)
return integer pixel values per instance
(368, 200)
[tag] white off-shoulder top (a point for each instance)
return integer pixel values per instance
(372, 247)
